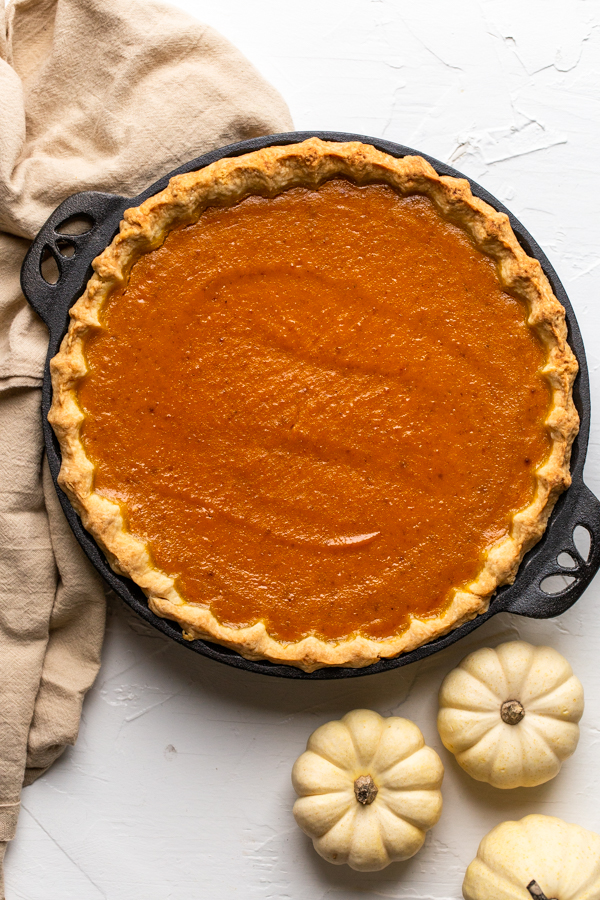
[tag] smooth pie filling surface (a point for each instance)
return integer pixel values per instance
(319, 410)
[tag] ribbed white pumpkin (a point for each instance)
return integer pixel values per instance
(563, 860)
(511, 744)
(369, 790)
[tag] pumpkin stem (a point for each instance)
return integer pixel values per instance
(512, 712)
(365, 790)
(536, 891)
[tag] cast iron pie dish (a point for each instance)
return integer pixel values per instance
(317, 402)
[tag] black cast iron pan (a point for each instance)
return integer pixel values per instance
(577, 507)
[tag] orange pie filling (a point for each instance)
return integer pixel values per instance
(318, 410)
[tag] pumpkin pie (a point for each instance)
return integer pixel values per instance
(316, 401)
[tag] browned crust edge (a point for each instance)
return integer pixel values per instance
(268, 172)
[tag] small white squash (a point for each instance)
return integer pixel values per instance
(369, 789)
(510, 715)
(540, 857)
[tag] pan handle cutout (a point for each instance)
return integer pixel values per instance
(58, 263)
(557, 572)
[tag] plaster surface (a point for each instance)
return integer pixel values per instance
(179, 785)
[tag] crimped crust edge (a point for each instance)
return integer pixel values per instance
(268, 172)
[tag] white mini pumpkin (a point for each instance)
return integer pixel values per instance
(510, 715)
(369, 790)
(540, 856)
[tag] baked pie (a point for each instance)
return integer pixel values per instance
(316, 401)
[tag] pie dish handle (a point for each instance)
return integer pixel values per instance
(58, 263)
(564, 565)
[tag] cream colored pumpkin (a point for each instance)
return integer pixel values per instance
(562, 860)
(510, 715)
(369, 789)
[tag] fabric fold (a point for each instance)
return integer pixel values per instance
(9, 813)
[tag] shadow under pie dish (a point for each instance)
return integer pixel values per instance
(317, 402)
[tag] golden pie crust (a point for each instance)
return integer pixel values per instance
(266, 173)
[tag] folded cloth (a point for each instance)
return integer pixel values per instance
(102, 95)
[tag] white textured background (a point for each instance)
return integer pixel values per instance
(179, 786)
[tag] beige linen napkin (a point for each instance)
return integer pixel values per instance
(104, 95)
